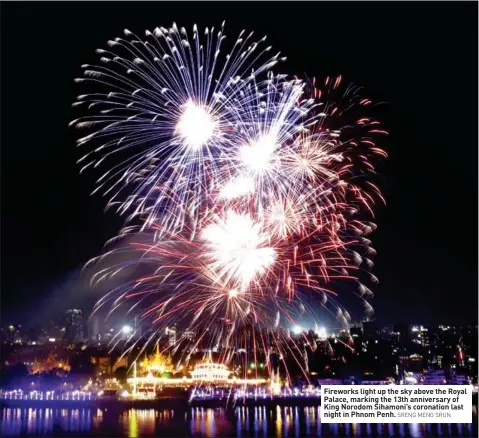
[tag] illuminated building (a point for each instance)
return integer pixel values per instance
(437, 360)
(171, 333)
(458, 379)
(74, 325)
(369, 329)
(13, 335)
(210, 372)
(189, 335)
(48, 364)
(330, 382)
(434, 377)
(459, 355)
(157, 363)
(203, 373)
(94, 328)
(275, 384)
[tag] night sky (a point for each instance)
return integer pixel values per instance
(421, 59)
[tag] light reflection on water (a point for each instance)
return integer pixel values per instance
(258, 422)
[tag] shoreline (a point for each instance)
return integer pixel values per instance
(161, 403)
(165, 403)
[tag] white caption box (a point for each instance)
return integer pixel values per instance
(396, 404)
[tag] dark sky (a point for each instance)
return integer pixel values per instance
(419, 58)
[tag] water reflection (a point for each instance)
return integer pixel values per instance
(141, 422)
(259, 421)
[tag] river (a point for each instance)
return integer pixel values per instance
(253, 421)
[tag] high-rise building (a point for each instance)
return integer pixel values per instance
(189, 335)
(171, 333)
(74, 326)
(138, 328)
(13, 334)
(94, 329)
(369, 329)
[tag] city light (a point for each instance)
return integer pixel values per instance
(321, 332)
(126, 329)
(297, 330)
(19, 394)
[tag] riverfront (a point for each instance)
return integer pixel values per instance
(252, 421)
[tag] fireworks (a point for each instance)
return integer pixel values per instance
(248, 187)
(196, 126)
(237, 249)
(177, 107)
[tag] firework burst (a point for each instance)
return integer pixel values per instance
(249, 188)
(170, 110)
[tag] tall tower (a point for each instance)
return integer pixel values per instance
(94, 329)
(74, 326)
(171, 333)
